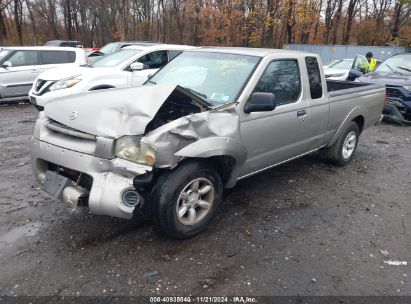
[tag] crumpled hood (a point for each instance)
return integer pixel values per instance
(110, 113)
(67, 72)
(387, 79)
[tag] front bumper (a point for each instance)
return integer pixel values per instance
(111, 178)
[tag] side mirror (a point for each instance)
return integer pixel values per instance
(260, 102)
(137, 66)
(7, 64)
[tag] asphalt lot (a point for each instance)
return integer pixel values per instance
(305, 228)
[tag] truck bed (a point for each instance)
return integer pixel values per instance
(338, 88)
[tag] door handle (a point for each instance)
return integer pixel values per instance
(301, 113)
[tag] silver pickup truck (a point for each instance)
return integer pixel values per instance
(209, 118)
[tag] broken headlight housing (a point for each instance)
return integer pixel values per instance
(133, 149)
(65, 83)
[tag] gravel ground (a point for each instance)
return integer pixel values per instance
(304, 228)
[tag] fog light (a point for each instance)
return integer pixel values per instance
(131, 198)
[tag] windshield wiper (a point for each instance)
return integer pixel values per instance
(392, 69)
(405, 69)
(152, 82)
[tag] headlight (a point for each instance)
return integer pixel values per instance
(408, 88)
(65, 83)
(131, 148)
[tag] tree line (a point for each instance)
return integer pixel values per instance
(264, 23)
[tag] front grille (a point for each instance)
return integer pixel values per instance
(79, 178)
(394, 93)
(60, 128)
(39, 84)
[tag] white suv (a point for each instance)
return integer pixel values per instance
(19, 67)
(131, 66)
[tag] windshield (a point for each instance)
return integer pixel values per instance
(396, 65)
(342, 64)
(216, 77)
(114, 59)
(109, 48)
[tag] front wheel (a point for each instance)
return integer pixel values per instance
(343, 150)
(187, 199)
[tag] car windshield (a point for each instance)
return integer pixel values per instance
(114, 59)
(215, 77)
(342, 64)
(109, 48)
(400, 64)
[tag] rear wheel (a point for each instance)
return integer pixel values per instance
(343, 150)
(187, 199)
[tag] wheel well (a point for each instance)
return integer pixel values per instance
(102, 87)
(359, 120)
(223, 164)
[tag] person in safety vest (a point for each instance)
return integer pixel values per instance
(371, 61)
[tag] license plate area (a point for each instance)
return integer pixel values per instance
(54, 184)
(33, 100)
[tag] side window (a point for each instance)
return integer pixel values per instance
(56, 57)
(154, 60)
(174, 53)
(24, 58)
(282, 77)
(314, 77)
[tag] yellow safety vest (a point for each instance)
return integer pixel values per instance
(373, 64)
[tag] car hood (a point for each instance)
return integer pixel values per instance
(332, 71)
(67, 72)
(387, 79)
(115, 112)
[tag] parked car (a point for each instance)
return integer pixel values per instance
(211, 117)
(395, 73)
(338, 69)
(19, 67)
(66, 43)
(129, 67)
(113, 47)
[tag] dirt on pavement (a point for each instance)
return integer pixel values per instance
(303, 228)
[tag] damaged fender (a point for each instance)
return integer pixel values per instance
(201, 135)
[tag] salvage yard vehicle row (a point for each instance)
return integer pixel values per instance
(210, 117)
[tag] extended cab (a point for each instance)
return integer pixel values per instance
(209, 118)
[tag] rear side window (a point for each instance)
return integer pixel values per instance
(56, 57)
(174, 53)
(23, 58)
(314, 77)
(282, 78)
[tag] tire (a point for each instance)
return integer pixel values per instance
(343, 150)
(177, 189)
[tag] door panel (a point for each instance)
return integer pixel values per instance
(139, 77)
(273, 137)
(20, 76)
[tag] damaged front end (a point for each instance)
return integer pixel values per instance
(398, 107)
(105, 149)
